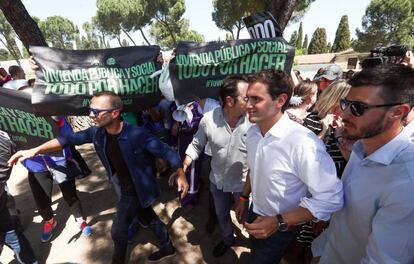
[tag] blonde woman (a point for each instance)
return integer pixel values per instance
(330, 114)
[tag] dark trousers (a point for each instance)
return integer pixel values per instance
(11, 233)
(41, 184)
(79, 159)
(127, 209)
(272, 249)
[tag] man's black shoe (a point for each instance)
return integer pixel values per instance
(220, 249)
(84, 174)
(211, 225)
(161, 254)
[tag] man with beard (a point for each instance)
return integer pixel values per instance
(127, 152)
(376, 222)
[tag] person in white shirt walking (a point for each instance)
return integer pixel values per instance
(292, 177)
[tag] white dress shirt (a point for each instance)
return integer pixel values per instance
(289, 167)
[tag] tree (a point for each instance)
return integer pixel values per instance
(228, 14)
(342, 36)
(386, 22)
(300, 37)
(91, 41)
(23, 24)
(169, 26)
(318, 42)
(329, 47)
(286, 10)
(59, 31)
(8, 39)
(305, 42)
(293, 38)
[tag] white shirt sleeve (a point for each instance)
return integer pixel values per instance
(317, 170)
(199, 141)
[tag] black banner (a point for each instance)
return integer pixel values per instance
(67, 79)
(262, 25)
(17, 119)
(198, 69)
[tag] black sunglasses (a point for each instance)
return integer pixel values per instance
(358, 108)
(96, 112)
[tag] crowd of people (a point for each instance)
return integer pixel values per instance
(320, 168)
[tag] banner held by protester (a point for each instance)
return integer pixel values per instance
(17, 119)
(262, 25)
(198, 69)
(67, 79)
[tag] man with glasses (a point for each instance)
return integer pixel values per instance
(125, 151)
(292, 177)
(376, 223)
(225, 129)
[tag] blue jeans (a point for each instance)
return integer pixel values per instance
(223, 201)
(272, 249)
(127, 209)
(21, 247)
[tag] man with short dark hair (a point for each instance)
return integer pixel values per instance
(292, 177)
(376, 223)
(224, 128)
(124, 151)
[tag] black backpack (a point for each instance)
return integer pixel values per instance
(7, 149)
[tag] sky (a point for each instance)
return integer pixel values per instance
(323, 13)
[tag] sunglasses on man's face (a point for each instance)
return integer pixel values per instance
(95, 112)
(358, 108)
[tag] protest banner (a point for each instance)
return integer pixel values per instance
(17, 119)
(67, 79)
(262, 25)
(198, 69)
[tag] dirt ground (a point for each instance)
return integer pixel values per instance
(187, 227)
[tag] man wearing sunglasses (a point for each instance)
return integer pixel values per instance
(124, 150)
(376, 223)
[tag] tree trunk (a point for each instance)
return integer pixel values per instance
(282, 11)
(129, 36)
(23, 24)
(145, 38)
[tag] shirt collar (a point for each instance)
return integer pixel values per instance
(385, 154)
(279, 129)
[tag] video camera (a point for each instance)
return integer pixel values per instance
(382, 55)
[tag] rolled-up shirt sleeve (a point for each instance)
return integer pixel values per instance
(317, 170)
(199, 141)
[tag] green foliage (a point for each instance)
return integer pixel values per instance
(8, 39)
(329, 47)
(343, 36)
(300, 37)
(305, 42)
(4, 55)
(60, 32)
(318, 43)
(386, 22)
(228, 14)
(293, 38)
(169, 26)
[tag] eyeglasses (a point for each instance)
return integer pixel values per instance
(96, 112)
(358, 108)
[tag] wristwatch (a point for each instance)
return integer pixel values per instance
(283, 227)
